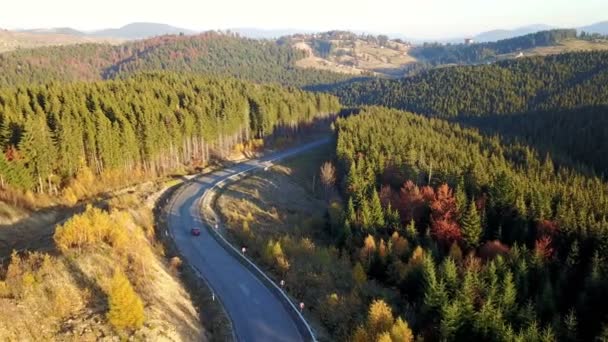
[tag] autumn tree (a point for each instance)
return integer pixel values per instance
(328, 177)
(444, 213)
(126, 308)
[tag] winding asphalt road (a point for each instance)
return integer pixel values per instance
(256, 312)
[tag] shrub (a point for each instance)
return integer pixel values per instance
(126, 308)
(93, 227)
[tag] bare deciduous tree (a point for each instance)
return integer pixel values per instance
(328, 175)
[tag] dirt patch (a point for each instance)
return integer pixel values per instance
(319, 63)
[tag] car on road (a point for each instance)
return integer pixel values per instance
(195, 231)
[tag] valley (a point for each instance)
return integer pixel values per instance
(159, 183)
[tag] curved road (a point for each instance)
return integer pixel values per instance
(257, 314)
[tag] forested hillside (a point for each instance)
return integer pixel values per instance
(487, 52)
(572, 136)
(484, 240)
(207, 53)
(559, 81)
(151, 123)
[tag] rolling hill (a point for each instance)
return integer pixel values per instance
(514, 86)
(13, 40)
(206, 53)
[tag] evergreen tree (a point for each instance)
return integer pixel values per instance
(37, 145)
(471, 226)
(351, 215)
(450, 321)
(377, 214)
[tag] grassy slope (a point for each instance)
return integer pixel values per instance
(370, 58)
(570, 45)
(65, 297)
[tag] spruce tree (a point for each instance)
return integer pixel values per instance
(471, 226)
(377, 214)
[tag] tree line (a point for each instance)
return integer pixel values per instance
(483, 240)
(156, 123)
(208, 53)
(577, 137)
(438, 54)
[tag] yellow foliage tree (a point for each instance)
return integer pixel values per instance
(126, 308)
(384, 337)
(401, 332)
(360, 335)
(369, 247)
(380, 318)
(92, 227)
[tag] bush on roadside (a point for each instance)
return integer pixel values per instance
(126, 307)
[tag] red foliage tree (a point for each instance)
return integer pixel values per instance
(491, 249)
(413, 202)
(546, 228)
(543, 248)
(444, 214)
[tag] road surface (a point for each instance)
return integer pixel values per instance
(257, 314)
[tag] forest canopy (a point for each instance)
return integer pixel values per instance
(484, 240)
(437, 54)
(153, 122)
(536, 83)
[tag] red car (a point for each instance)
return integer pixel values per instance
(195, 231)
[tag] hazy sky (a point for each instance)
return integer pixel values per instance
(420, 18)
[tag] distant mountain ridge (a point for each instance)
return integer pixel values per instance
(141, 30)
(495, 35)
(56, 30)
(601, 28)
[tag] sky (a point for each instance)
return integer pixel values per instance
(419, 18)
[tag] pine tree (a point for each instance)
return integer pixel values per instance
(461, 196)
(471, 226)
(392, 218)
(411, 232)
(435, 295)
(350, 214)
(126, 308)
(377, 214)
(366, 215)
(37, 145)
(450, 321)
(508, 293)
(449, 274)
(570, 326)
